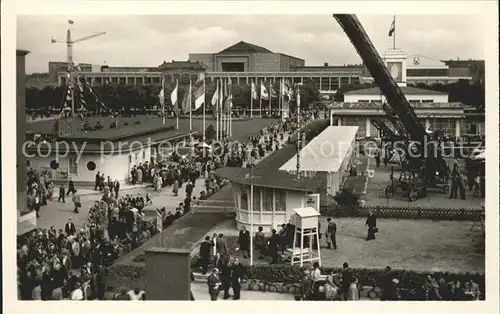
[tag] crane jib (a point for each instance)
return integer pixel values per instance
(395, 97)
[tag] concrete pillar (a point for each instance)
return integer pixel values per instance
(339, 121)
(168, 274)
(22, 202)
(457, 128)
(368, 126)
(126, 80)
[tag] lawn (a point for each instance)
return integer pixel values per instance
(417, 245)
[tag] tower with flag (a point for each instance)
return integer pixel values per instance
(392, 32)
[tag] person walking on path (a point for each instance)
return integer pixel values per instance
(213, 284)
(76, 202)
(331, 234)
(71, 187)
(62, 193)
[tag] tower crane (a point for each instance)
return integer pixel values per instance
(69, 55)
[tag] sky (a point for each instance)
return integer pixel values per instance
(141, 40)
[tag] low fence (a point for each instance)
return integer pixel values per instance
(463, 214)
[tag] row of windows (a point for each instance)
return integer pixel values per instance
(268, 197)
(426, 72)
(411, 101)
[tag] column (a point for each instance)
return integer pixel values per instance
(238, 80)
(427, 124)
(168, 274)
(320, 79)
(368, 125)
(457, 128)
(339, 121)
(126, 80)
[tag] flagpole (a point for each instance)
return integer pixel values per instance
(270, 96)
(217, 111)
(190, 108)
(281, 97)
(260, 100)
(204, 128)
(251, 218)
(251, 98)
(163, 101)
(177, 106)
(394, 34)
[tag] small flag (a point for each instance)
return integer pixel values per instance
(273, 92)
(215, 97)
(161, 95)
(71, 22)
(392, 29)
(173, 98)
(199, 95)
(263, 92)
(159, 220)
(254, 91)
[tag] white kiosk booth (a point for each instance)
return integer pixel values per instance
(305, 221)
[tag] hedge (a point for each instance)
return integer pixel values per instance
(366, 277)
(467, 214)
(286, 278)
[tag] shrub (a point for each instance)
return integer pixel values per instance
(346, 198)
(367, 277)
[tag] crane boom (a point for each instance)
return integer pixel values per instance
(395, 97)
(88, 37)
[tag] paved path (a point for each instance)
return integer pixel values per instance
(57, 214)
(200, 293)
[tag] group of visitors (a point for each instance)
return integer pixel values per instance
(40, 189)
(345, 286)
(63, 264)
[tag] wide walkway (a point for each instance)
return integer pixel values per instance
(200, 293)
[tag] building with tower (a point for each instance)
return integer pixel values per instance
(361, 107)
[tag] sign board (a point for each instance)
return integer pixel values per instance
(312, 200)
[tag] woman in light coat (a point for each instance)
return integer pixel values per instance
(353, 290)
(331, 290)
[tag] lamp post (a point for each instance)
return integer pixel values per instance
(299, 137)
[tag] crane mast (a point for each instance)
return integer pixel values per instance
(72, 78)
(398, 108)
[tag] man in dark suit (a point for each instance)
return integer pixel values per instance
(221, 245)
(371, 223)
(225, 274)
(219, 262)
(213, 284)
(244, 242)
(98, 181)
(70, 228)
(274, 242)
(205, 248)
(331, 234)
(347, 276)
(71, 187)
(117, 188)
(237, 273)
(62, 193)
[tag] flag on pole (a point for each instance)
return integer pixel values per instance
(273, 92)
(186, 106)
(71, 22)
(254, 91)
(173, 98)
(199, 95)
(229, 100)
(392, 29)
(161, 95)
(159, 220)
(215, 97)
(263, 92)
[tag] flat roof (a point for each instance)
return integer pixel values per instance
(378, 105)
(325, 152)
(407, 90)
(269, 179)
(124, 132)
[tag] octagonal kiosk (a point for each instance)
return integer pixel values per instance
(305, 221)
